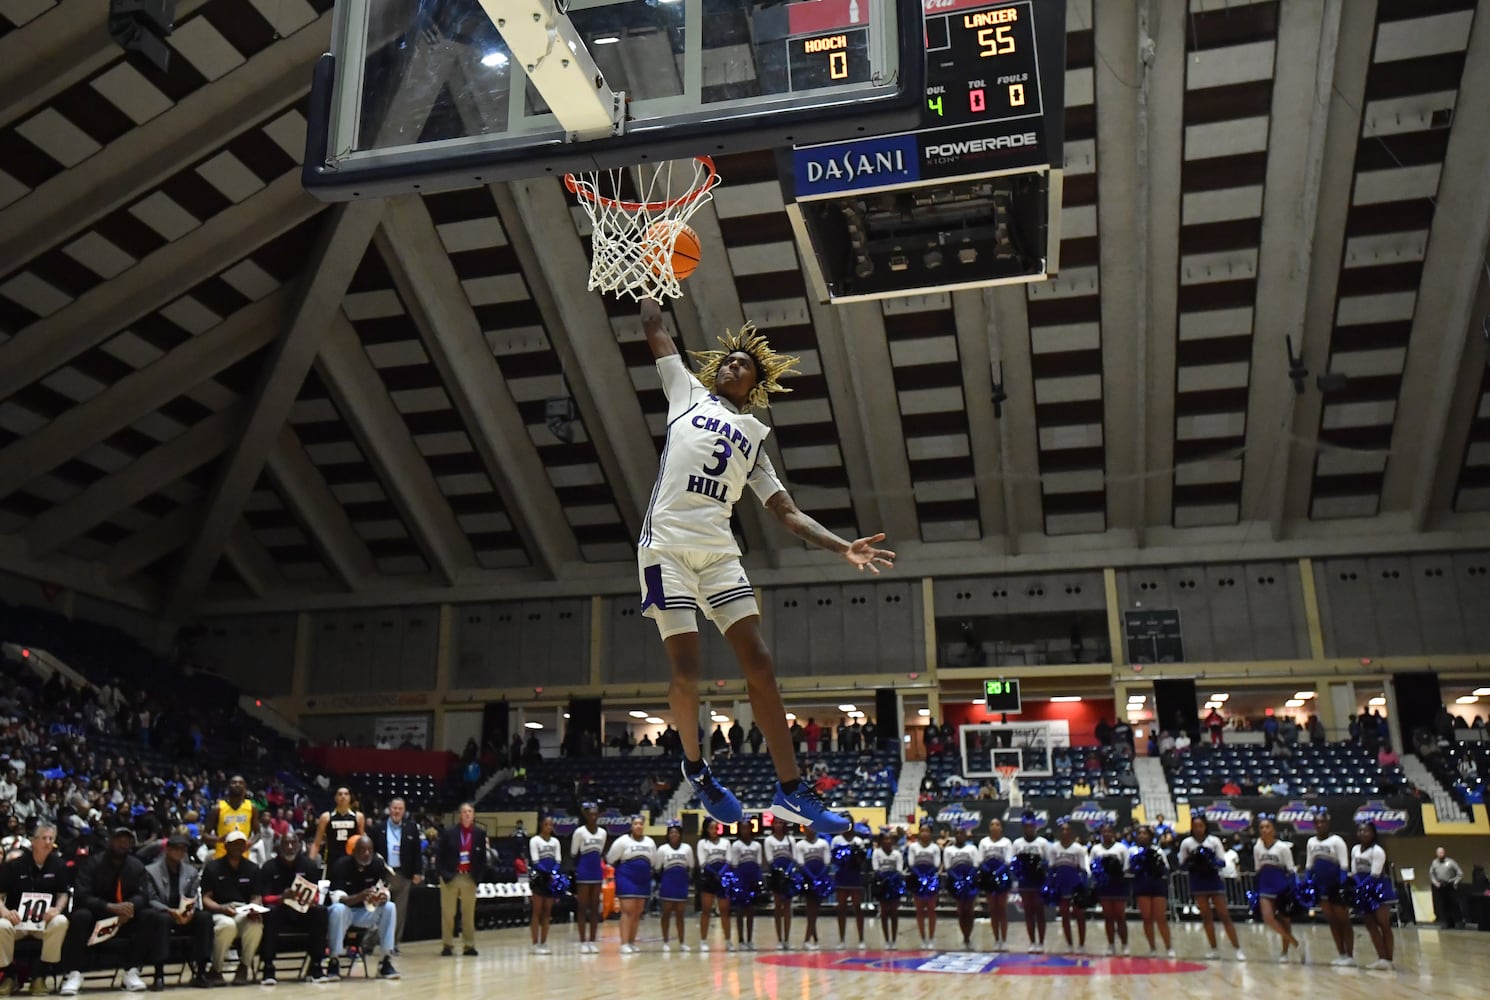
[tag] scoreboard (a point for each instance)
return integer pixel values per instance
(982, 65)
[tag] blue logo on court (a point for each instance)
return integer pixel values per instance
(848, 166)
(972, 963)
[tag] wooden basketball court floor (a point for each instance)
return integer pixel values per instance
(1430, 963)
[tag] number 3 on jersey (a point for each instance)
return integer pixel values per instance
(722, 452)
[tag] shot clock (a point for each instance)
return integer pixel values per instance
(1002, 696)
(982, 64)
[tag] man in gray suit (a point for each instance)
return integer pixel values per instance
(172, 885)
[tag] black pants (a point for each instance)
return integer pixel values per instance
(281, 918)
(197, 930)
(144, 938)
(1446, 905)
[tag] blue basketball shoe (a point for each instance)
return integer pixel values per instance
(807, 807)
(719, 802)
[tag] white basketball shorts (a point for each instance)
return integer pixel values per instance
(677, 584)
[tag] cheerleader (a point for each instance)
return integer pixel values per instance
(713, 862)
(1206, 887)
(587, 848)
(1109, 865)
(850, 855)
(994, 852)
(889, 884)
(781, 857)
(1327, 860)
(924, 860)
(746, 861)
(543, 853)
(1275, 871)
(1069, 876)
(674, 866)
(812, 855)
(1150, 867)
(1368, 862)
(1031, 854)
(632, 855)
(960, 861)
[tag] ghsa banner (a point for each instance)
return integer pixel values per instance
(1238, 814)
(1086, 815)
(612, 821)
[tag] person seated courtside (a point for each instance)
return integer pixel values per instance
(35, 873)
(360, 898)
(285, 913)
(230, 892)
(112, 884)
(172, 885)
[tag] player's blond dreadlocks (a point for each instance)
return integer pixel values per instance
(770, 367)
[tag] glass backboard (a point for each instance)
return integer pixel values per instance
(429, 93)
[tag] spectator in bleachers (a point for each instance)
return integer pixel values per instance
(736, 739)
(359, 894)
(1385, 757)
(718, 742)
(288, 884)
(798, 735)
(1315, 728)
(396, 838)
(813, 734)
(112, 885)
(843, 734)
(755, 738)
(172, 884)
(1215, 724)
(870, 734)
(39, 872)
(856, 737)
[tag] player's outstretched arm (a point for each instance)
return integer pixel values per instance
(860, 552)
(657, 337)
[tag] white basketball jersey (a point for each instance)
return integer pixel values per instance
(712, 452)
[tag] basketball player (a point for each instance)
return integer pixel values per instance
(1275, 870)
(232, 812)
(813, 855)
(1326, 861)
(587, 848)
(713, 862)
(544, 854)
(688, 559)
(338, 830)
(994, 851)
(632, 854)
(675, 873)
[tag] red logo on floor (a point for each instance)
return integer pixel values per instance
(983, 963)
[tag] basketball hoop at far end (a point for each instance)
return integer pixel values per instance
(639, 247)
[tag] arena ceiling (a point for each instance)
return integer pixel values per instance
(220, 394)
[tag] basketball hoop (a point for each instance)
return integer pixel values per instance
(1009, 784)
(633, 242)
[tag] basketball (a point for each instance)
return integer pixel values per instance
(686, 249)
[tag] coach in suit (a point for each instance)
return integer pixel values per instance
(170, 882)
(397, 840)
(460, 858)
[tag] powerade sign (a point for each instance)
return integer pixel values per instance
(887, 161)
(976, 149)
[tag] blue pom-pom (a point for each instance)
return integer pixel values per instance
(889, 886)
(928, 884)
(1288, 902)
(1204, 863)
(994, 877)
(787, 881)
(560, 885)
(1254, 906)
(821, 886)
(1107, 871)
(1307, 892)
(1147, 862)
(849, 857)
(1366, 894)
(966, 882)
(1050, 893)
(1029, 866)
(1085, 895)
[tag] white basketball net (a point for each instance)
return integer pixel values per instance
(632, 241)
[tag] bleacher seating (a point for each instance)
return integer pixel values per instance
(559, 783)
(1445, 766)
(1313, 769)
(753, 778)
(1067, 764)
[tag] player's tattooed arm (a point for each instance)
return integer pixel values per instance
(658, 339)
(860, 552)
